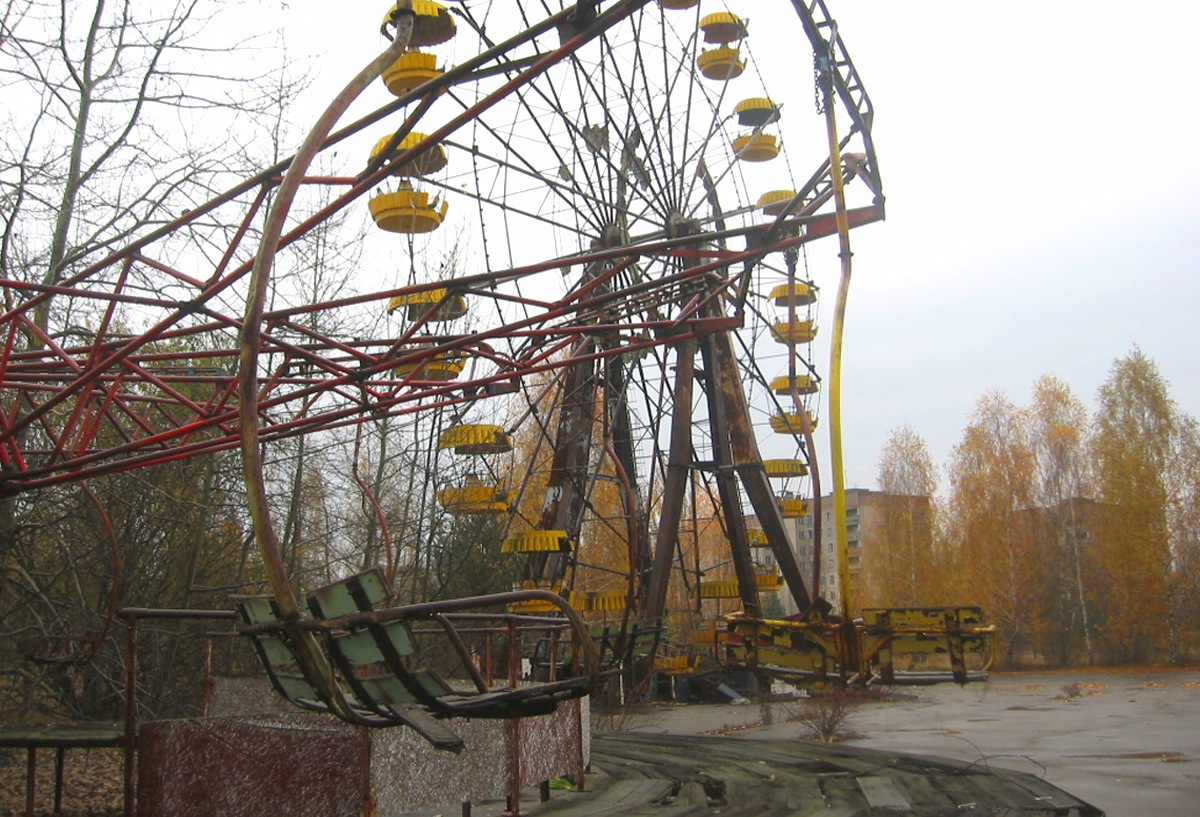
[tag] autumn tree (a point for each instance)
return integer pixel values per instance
(1132, 450)
(991, 479)
(899, 569)
(1184, 523)
(1058, 429)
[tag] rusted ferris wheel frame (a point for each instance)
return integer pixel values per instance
(90, 386)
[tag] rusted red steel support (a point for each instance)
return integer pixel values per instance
(453, 394)
(563, 504)
(675, 484)
(746, 460)
(573, 301)
(725, 475)
(79, 379)
(319, 141)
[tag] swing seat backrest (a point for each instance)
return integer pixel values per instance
(276, 654)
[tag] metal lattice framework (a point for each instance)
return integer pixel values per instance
(603, 191)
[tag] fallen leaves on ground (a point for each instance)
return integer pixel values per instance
(93, 783)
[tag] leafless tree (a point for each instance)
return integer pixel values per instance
(120, 116)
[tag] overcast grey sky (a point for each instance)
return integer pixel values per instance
(1042, 195)
(1043, 207)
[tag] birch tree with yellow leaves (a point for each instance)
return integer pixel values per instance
(991, 480)
(901, 568)
(1061, 618)
(1132, 451)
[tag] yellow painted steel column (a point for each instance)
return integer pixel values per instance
(840, 537)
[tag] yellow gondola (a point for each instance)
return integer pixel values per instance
(722, 28)
(756, 112)
(756, 147)
(798, 331)
(474, 497)
(723, 589)
(775, 202)
(790, 423)
(410, 70)
(535, 606)
(791, 507)
(407, 211)
(450, 306)
(799, 293)
(537, 541)
(768, 579)
(440, 368)
(784, 468)
(432, 23)
(803, 384)
(678, 5)
(431, 161)
(673, 664)
(606, 601)
(721, 63)
(476, 438)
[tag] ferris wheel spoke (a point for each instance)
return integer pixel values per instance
(536, 121)
(569, 195)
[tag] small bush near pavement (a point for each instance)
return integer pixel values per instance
(828, 714)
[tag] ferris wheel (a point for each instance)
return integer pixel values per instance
(591, 313)
(620, 174)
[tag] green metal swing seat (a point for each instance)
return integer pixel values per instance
(367, 670)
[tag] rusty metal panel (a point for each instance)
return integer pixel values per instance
(304, 766)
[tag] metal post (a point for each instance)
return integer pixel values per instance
(30, 779)
(365, 801)
(59, 758)
(130, 740)
(208, 682)
(513, 730)
(488, 669)
(580, 770)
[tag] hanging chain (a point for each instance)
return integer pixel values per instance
(823, 72)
